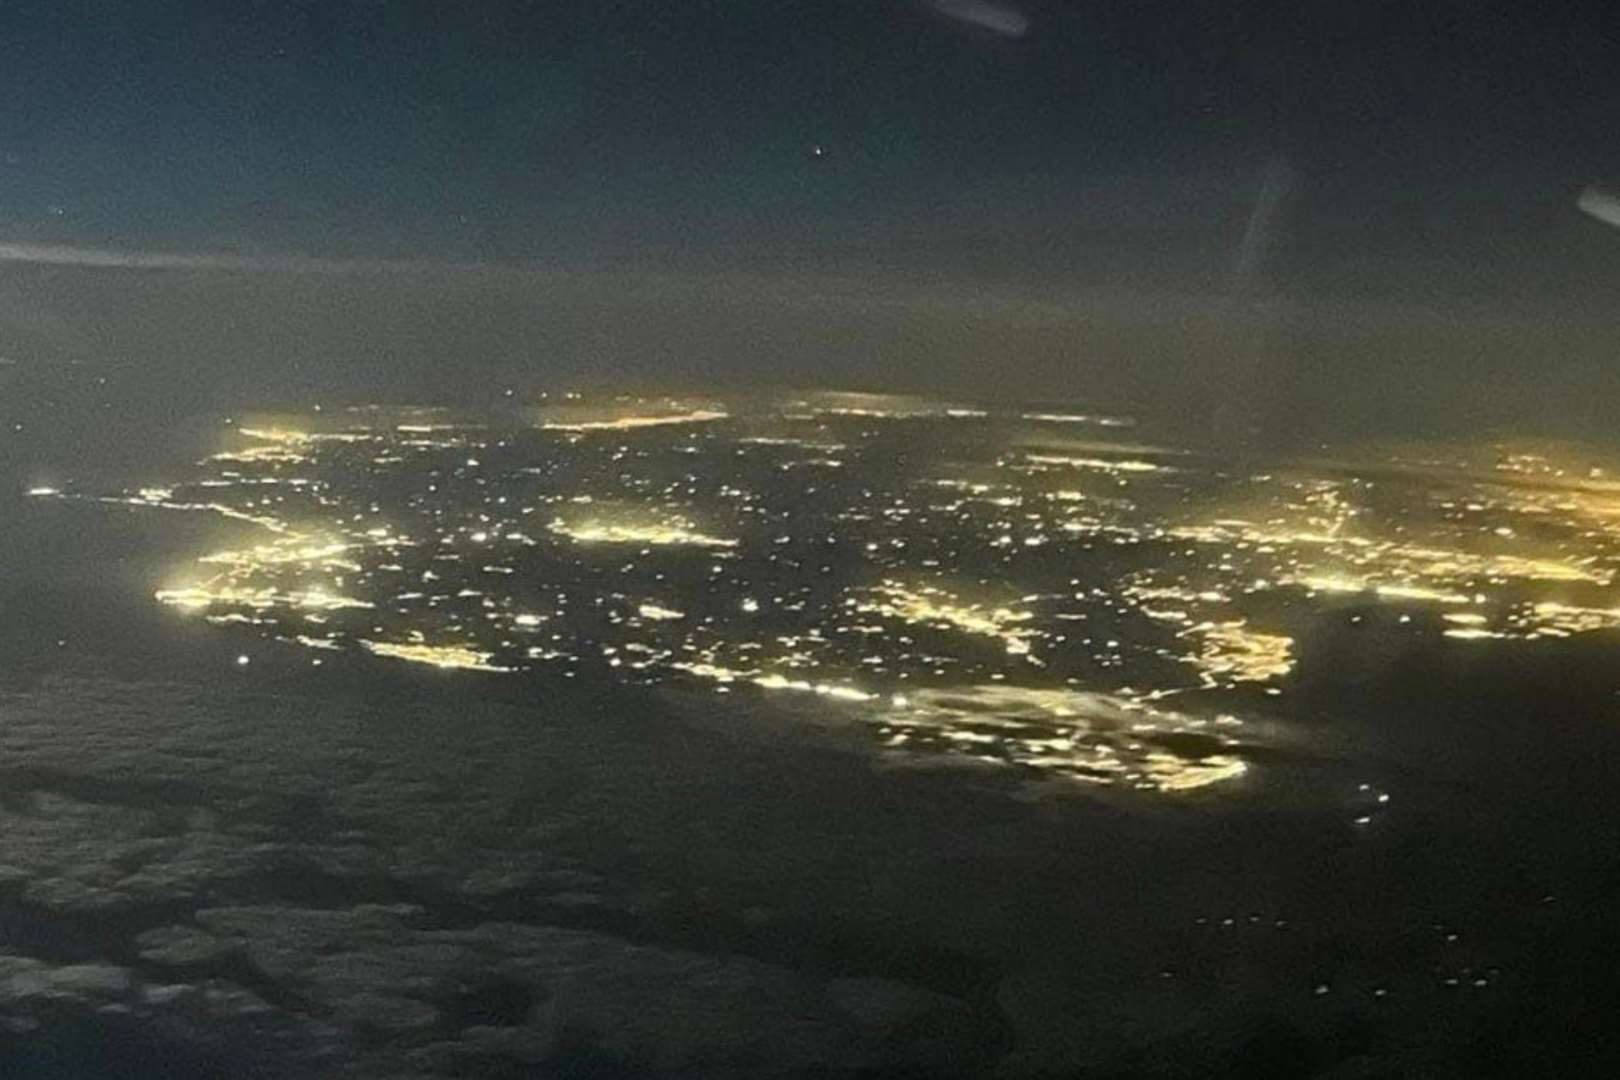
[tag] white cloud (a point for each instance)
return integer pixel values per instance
(998, 18)
(1601, 204)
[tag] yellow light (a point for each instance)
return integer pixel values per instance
(199, 597)
(291, 550)
(1099, 464)
(1472, 634)
(595, 532)
(630, 423)
(1231, 652)
(842, 693)
(931, 605)
(440, 656)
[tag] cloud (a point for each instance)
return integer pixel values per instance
(65, 255)
(1601, 204)
(997, 18)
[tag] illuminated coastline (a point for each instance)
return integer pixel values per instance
(1018, 605)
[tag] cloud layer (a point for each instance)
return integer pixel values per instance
(65, 255)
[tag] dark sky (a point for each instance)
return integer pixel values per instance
(1102, 157)
(609, 130)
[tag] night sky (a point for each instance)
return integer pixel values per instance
(915, 180)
